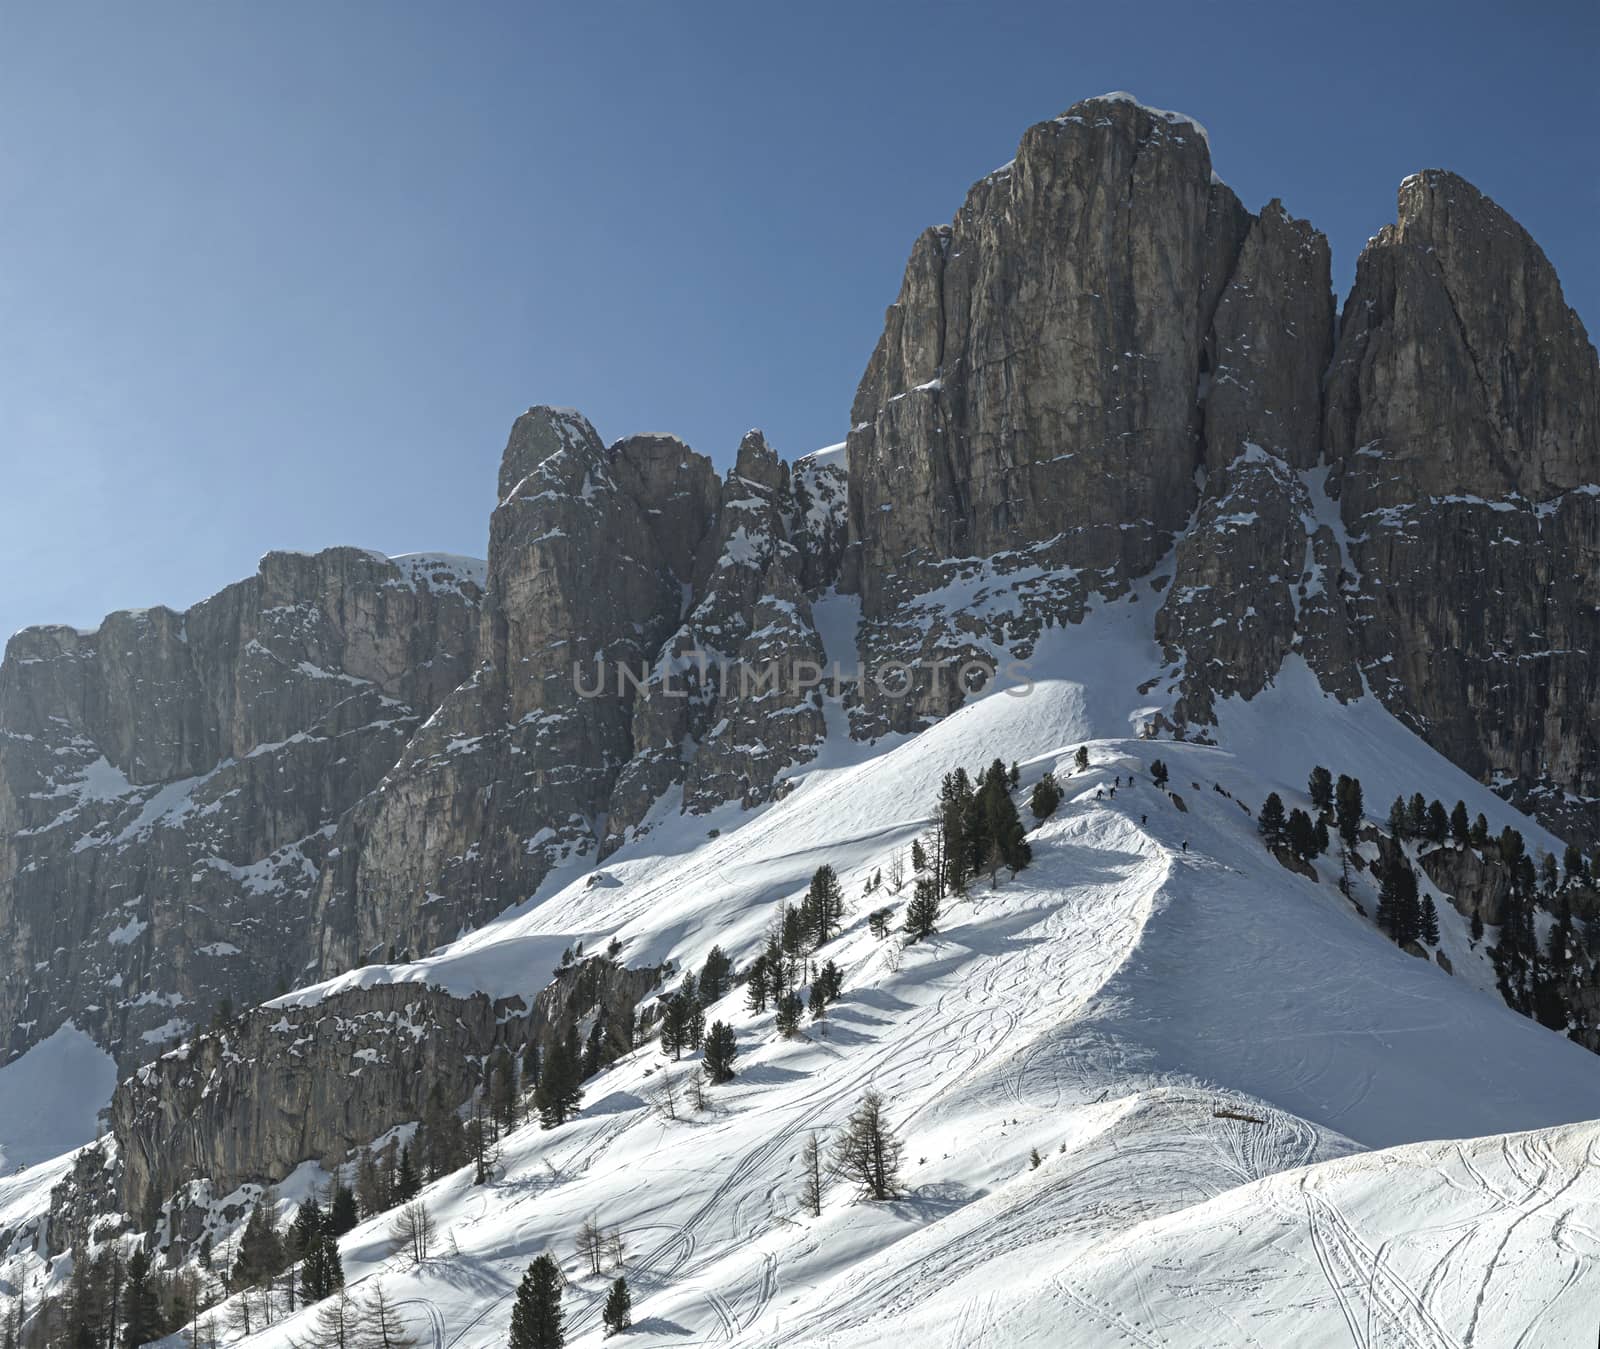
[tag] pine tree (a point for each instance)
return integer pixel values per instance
(1348, 809)
(560, 1090)
(1437, 826)
(1081, 758)
(1477, 926)
(1573, 864)
(1158, 773)
(867, 1153)
(1417, 814)
(342, 1215)
(1323, 842)
(1430, 921)
(830, 981)
(955, 844)
(618, 1313)
(1407, 909)
(1320, 787)
(919, 858)
(1480, 831)
(816, 1004)
(260, 1257)
(1399, 820)
(1273, 823)
(1302, 835)
(536, 1316)
(721, 1047)
(1460, 829)
(406, 1181)
(825, 901)
(755, 999)
(1046, 797)
(878, 921)
(922, 913)
(788, 1015)
(715, 976)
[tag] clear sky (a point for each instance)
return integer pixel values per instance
(282, 274)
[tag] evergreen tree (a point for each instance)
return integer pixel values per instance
(816, 1003)
(260, 1257)
(1302, 835)
(919, 857)
(1430, 921)
(1460, 830)
(1001, 827)
(443, 1145)
(1046, 797)
(788, 1015)
(922, 913)
(560, 1089)
(878, 921)
(141, 1302)
(1273, 823)
(618, 1313)
(1407, 909)
(756, 990)
(406, 1180)
(1320, 787)
(955, 798)
(1480, 831)
(1437, 827)
(1399, 820)
(1573, 864)
(1348, 809)
(1417, 814)
(1477, 926)
(1081, 758)
(536, 1316)
(1320, 835)
(715, 976)
(826, 904)
(1158, 773)
(342, 1215)
(721, 1047)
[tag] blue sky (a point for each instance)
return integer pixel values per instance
(282, 275)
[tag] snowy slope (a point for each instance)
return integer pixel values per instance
(1102, 1008)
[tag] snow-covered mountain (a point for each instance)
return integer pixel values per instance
(1176, 1081)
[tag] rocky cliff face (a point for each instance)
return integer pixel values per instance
(283, 1084)
(622, 581)
(1105, 368)
(169, 784)
(1463, 421)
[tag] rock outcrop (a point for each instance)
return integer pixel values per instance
(1105, 362)
(169, 784)
(1463, 422)
(312, 1080)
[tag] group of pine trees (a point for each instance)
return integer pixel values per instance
(1534, 978)
(786, 967)
(1337, 803)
